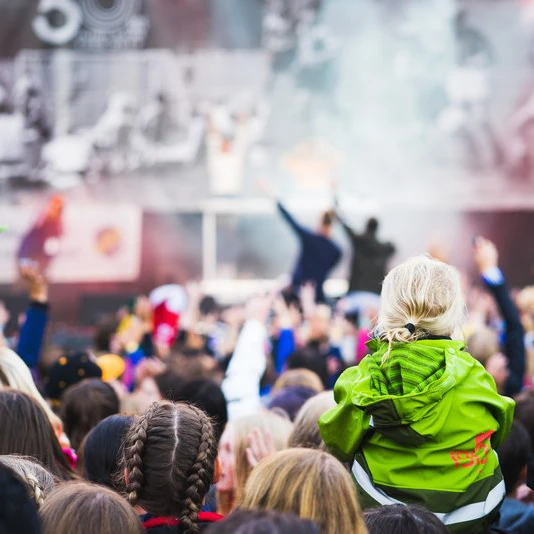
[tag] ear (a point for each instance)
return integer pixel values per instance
(218, 471)
(523, 475)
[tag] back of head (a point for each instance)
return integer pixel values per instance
(81, 508)
(67, 371)
(309, 483)
(208, 396)
(26, 431)
(38, 481)
(298, 377)
(267, 423)
(306, 431)
(514, 453)
(401, 519)
(102, 450)
(15, 374)
(371, 227)
(85, 405)
(422, 292)
(327, 219)
(483, 343)
(258, 522)
(310, 357)
(17, 510)
(169, 383)
(169, 461)
(290, 400)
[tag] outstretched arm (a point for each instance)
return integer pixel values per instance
(269, 191)
(33, 330)
(487, 259)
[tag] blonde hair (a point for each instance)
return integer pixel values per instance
(14, 374)
(38, 481)
(268, 423)
(298, 377)
(483, 343)
(309, 483)
(422, 292)
(306, 427)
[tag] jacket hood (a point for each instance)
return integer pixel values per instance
(403, 390)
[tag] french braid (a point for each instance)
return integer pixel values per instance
(35, 488)
(200, 474)
(134, 446)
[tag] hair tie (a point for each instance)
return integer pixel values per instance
(411, 328)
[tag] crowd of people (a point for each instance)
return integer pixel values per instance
(288, 413)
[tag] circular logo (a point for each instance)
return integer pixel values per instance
(108, 241)
(108, 15)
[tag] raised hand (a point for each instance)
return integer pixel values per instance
(35, 280)
(261, 446)
(485, 254)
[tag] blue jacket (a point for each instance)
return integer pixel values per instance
(32, 334)
(318, 256)
(517, 517)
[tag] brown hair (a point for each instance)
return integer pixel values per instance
(38, 481)
(26, 431)
(327, 218)
(169, 461)
(306, 428)
(310, 484)
(82, 508)
(14, 374)
(84, 405)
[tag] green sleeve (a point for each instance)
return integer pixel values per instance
(343, 427)
(502, 408)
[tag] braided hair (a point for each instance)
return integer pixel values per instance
(134, 446)
(200, 474)
(169, 461)
(37, 480)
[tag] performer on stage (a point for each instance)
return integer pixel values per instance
(369, 258)
(319, 254)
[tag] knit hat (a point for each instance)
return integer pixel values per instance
(69, 370)
(112, 366)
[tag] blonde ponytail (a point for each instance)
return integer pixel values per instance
(420, 297)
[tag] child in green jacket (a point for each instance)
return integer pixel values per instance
(419, 418)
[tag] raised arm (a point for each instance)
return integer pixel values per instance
(241, 385)
(487, 258)
(268, 190)
(33, 330)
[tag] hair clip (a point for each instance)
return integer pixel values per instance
(411, 328)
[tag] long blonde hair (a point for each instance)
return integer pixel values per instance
(309, 483)
(267, 423)
(422, 292)
(14, 374)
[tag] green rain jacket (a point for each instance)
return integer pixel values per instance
(422, 429)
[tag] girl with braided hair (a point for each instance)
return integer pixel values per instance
(169, 464)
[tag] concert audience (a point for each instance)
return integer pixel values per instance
(239, 419)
